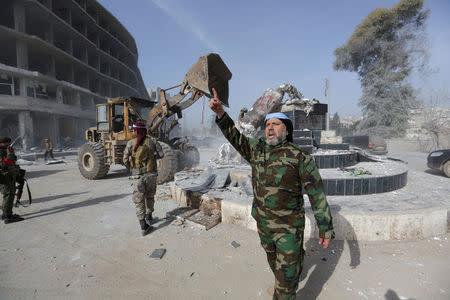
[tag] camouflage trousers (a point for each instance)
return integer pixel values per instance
(8, 191)
(144, 189)
(285, 256)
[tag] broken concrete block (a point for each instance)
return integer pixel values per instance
(203, 221)
(158, 253)
(210, 203)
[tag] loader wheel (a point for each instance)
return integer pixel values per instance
(446, 168)
(191, 156)
(91, 161)
(167, 166)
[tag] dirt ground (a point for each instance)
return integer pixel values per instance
(81, 240)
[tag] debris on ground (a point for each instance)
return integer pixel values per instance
(235, 244)
(54, 162)
(23, 162)
(177, 222)
(158, 253)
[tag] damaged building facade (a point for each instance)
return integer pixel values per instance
(58, 59)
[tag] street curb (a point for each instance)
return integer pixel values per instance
(414, 224)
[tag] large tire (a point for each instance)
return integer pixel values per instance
(446, 168)
(91, 161)
(167, 166)
(191, 156)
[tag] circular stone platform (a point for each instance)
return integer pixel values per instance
(420, 209)
(326, 159)
(385, 176)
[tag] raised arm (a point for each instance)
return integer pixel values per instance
(240, 142)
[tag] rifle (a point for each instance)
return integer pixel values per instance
(20, 180)
(13, 142)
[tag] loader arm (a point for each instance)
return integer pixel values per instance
(207, 73)
(167, 108)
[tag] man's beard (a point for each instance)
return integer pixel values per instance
(278, 140)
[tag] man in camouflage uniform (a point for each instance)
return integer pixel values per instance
(140, 157)
(280, 170)
(8, 173)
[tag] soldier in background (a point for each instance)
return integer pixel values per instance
(48, 149)
(279, 212)
(8, 173)
(140, 157)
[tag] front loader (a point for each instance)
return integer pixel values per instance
(107, 140)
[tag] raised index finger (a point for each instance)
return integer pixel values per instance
(215, 94)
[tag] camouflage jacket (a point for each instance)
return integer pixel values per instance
(279, 173)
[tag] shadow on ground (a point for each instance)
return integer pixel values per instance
(392, 295)
(324, 261)
(69, 206)
(50, 198)
(435, 172)
(41, 173)
(117, 174)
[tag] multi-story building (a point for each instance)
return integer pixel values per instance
(58, 59)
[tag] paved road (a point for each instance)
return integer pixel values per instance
(81, 240)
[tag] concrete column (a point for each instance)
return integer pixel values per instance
(77, 99)
(97, 41)
(92, 103)
(56, 135)
(49, 36)
(70, 47)
(59, 94)
(86, 56)
(26, 129)
(69, 17)
(71, 74)
(19, 17)
(22, 54)
(23, 83)
(52, 67)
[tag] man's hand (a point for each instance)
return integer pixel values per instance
(216, 105)
(10, 150)
(324, 242)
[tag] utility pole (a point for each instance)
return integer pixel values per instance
(327, 96)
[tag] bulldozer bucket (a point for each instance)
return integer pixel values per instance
(209, 72)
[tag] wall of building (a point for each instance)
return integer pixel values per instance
(59, 58)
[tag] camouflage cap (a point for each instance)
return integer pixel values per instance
(5, 139)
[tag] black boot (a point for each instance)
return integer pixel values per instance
(149, 219)
(13, 218)
(145, 228)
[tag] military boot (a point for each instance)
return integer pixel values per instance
(145, 228)
(149, 219)
(13, 218)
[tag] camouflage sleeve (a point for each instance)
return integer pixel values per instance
(313, 185)
(240, 142)
(127, 153)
